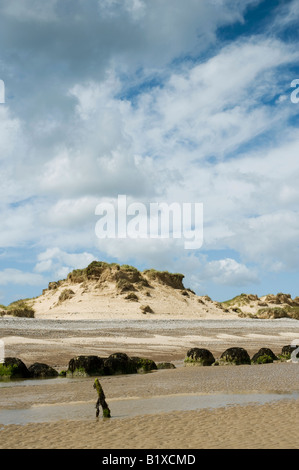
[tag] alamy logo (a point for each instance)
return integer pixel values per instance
(155, 220)
(295, 93)
(2, 92)
(295, 353)
(2, 355)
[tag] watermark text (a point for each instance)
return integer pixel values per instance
(155, 220)
(295, 93)
(2, 354)
(295, 353)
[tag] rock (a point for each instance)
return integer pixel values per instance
(165, 365)
(144, 365)
(14, 368)
(85, 366)
(119, 363)
(199, 357)
(41, 370)
(264, 356)
(236, 356)
(287, 350)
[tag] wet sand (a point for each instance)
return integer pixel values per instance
(247, 425)
(255, 425)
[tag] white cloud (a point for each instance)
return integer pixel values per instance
(229, 272)
(16, 276)
(60, 263)
(214, 130)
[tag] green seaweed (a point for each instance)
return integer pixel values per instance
(7, 371)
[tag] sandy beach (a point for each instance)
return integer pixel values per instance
(249, 406)
(255, 425)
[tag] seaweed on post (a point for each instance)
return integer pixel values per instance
(101, 401)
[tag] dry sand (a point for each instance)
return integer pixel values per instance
(270, 425)
(102, 299)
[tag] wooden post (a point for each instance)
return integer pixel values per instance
(101, 400)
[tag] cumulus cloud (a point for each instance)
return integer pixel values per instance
(59, 263)
(16, 276)
(141, 98)
(229, 272)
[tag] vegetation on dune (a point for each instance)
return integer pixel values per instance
(18, 308)
(95, 269)
(77, 276)
(124, 286)
(132, 297)
(65, 295)
(240, 300)
(293, 312)
(272, 312)
(174, 280)
(146, 309)
(127, 267)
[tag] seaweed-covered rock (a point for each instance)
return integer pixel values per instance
(38, 369)
(119, 363)
(85, 366)
(143, 364)
(14, 368)
(288, 349)
(236, 356)
(264, 356)
(165, 365)
(199, 357)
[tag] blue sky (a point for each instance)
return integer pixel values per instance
(162, 101)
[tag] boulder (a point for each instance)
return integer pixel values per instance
(85, 366)
(288, 349)
(40, 370)
(144, 365)
(264, 356)
(199, 357)
(119, 363)
(14, 368)
(236, 356)
(165, 365)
